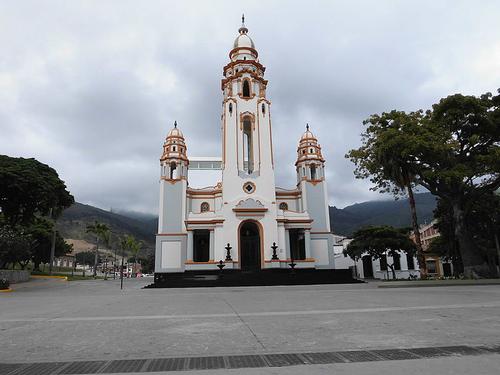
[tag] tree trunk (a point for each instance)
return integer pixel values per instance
(96, 257)
(497, 245)
(416, 231)
(391, 266)
(492, 264)
(474, 264)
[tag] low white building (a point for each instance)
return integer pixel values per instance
(405, 266)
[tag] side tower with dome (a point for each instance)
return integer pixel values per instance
(243, 220)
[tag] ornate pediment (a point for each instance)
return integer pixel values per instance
(250, 205)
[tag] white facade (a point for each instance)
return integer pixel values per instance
(263, 226)
(368, 268)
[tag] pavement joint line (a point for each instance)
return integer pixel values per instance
(244, 323)
(253, 314)
(267, 360)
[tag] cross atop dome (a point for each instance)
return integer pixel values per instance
(243, 29)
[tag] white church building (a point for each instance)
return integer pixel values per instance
(245, 220)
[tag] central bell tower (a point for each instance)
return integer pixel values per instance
(247, 155)
(249, 191)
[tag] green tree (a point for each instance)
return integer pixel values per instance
(453, 151)
(147, 261)
(29, 188)
(41, 230)
(378, 241)
(390, 171)
(15, 244)
(101, 233)
(483, 223)
(134, 246)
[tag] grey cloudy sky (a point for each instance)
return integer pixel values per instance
(92, 87)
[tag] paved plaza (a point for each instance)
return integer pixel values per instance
(53, 320)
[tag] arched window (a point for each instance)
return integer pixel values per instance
(263, 109)
(283, 206)
(246, 89)
(205, 207)
(173, 170)
(247, 146)
(230, 109)
(313, 172)
(173, 148)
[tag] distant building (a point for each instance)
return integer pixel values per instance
(405, 266)
(67, 261)
(437, 266)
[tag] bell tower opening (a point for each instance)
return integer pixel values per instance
(246, 89)
(173, 171)
(249, 240)
(313, 172)
(247, 146)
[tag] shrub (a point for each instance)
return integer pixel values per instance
(4, 284)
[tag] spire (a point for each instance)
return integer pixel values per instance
(243, 29)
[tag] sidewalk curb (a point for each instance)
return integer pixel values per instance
(65, 278)
(438, 283)
(8, 290)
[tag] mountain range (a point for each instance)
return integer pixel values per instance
(344, 221)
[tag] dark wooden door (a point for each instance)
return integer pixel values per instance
(250, 247)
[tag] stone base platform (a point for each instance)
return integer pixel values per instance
(268, 277)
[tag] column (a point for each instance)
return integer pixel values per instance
(190, 245)
(211, 244)
(307, 240)
(287, 244)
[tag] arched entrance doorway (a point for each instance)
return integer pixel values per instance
(249, 246)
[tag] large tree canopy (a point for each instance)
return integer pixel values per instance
(452, 150)
(387, 169)
(28, 188)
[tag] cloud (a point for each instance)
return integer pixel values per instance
(92, 87)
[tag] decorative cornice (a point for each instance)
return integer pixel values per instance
(295, 221)
(211, 221)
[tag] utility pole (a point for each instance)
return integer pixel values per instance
(114, 267)
(121, 275)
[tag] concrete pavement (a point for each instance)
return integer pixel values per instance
(93, 320)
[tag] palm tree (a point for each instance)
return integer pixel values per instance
(106, 237)
(134, 246)
(101, 232)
